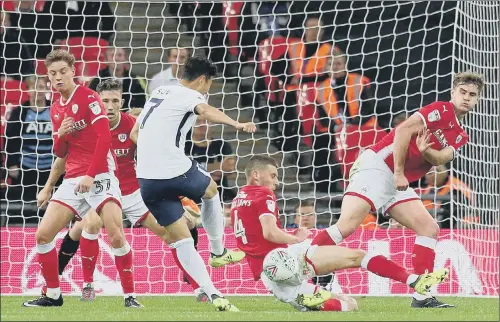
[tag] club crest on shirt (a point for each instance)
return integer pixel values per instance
(74, 108)
(122, 137)
(95, 107)
(459, 138)
(434, 116)
(271, 205)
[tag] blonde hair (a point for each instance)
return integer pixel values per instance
(60, 55)
(469, 78)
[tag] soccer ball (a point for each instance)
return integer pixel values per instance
(280, 266)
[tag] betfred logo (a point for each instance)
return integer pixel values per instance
(121, 152)
(72, 278)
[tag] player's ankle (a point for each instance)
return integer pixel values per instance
(53, 293)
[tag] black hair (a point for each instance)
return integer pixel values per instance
(199, 66)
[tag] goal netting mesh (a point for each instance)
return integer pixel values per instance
(405, 51)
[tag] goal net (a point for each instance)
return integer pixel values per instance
(399, 55)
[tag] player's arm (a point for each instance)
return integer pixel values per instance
(402, 137)
(431, 155)
(60, 145)
(216, 116)
(274, 234)
(103, 144)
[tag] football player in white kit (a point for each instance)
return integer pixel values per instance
(165, 172)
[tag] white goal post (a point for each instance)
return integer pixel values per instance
(407, 50)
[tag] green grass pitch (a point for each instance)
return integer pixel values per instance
(173, 308)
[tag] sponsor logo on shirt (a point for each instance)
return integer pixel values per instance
(80, 125)
(95, 107)
(122, 137)
(121, 152)
(74, 108)
(434, 116)
(441, 138)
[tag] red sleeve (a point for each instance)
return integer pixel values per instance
(266, 206)
(60, 146)
(103, 145)
(435, 115)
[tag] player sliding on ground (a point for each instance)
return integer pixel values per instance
(259, 234)
(86, 231)
(82, 136)
(380, 176)
(165, 172)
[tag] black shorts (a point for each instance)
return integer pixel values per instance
(161, 196)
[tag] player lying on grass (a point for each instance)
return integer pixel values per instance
(380, 176)
(258, 233)
(165, 172)
(86, 231)
(82, 136)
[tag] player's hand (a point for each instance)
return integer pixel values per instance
(302, 233)
(66, 127)
(401, 181)
(423, 140)
(85, 185)
(247, 127)
(43, 197)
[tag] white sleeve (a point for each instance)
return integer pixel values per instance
(195, 100)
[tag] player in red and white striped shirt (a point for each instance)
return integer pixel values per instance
(82, 135)
(380, 177)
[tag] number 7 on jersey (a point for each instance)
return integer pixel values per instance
(155, 102)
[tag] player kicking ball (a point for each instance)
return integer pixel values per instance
(165, 172)
(86, 231)
(81, 136)
(380, 176)
(286, 262)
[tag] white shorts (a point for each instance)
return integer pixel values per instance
(288, 292)
(134, 208)
(106, 188)
(372, 180)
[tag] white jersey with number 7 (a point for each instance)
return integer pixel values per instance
(163, 124)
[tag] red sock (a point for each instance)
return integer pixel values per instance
(423, 255)
(331, 305)
(382, 266)
(323, 239)
(124, 265)
(89, 249)
(192, 282)
(49, 265)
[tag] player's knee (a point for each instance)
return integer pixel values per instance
(430, 228)
(116, 237)
(42, 237)
(92, 224)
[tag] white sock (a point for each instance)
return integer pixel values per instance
(54, 293)
(193, 264)
(411, 279)
(213, 222)
(335, 234)
(91, 284)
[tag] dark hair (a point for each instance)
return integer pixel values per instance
(199, 66)
(467, 78)
(258, 162)
(60, 55)
(304, 203)
(111, 84)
